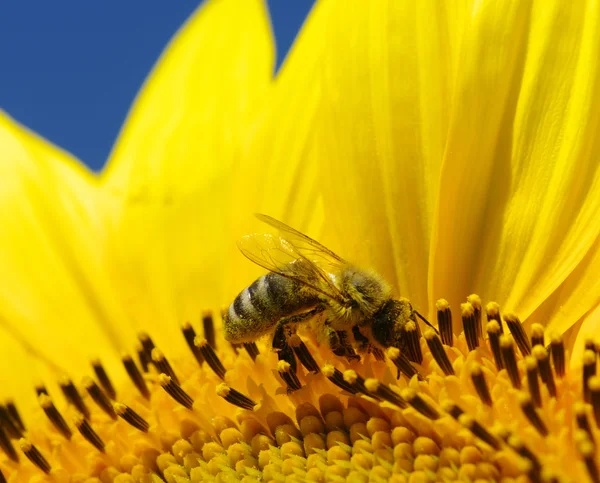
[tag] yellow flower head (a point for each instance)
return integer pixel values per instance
(449, 147)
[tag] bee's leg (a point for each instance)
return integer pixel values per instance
(338, 342)
(426, 321)
(285, 329)
(361, 340)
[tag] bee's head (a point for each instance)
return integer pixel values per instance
(365, 292)
(388, 323)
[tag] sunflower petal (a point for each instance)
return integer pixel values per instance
(169, 175)
(388, 71)
(54, 299)
(519, 187)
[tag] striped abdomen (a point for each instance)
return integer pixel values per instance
(257, 309)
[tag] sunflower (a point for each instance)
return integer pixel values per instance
(451, 147)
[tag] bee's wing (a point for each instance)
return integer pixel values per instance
(281, 256)
(309, 248)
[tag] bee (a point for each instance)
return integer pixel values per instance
(345, 306)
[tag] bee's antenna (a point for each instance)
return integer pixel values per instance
(426, 321)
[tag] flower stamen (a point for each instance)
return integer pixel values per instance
(589, 370)
(7, 446)
(103, 379)
(288, 375)
(384, 392)
(594, 384)
(480, 385)
(190, 335)
(335, 376)
(99, 397)
(413, 346)
(475, 301)
(34, 455)
(235, 397)
(135, 375)
(54, 416)
(541, 354)
(532, 415)
(437, 351)
(492, 312)
(210, 356)
(518, 333)
(494, 331)
(86, 430)
(402, 363)
(9, 424)
(537, 335)
(131, 417)
(533, 384)
(251, 349)
(509, 360)
(557, 350)
(303, 354)
(162, 365)
(72, 395)
(208, 325)
(444, 318)
(469, 321)
(175, 391)
(416, 401)
(583, 423)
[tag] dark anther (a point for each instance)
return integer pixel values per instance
(335, 376)
(583, 422)
(131, 416)
(494, 333)
(14, 414)
(509, 360)
(589, 370)
(11, 427)
(190, 335)
(34, 455)
(235, 397)
(41, 389)
(99, 397)
(209, 329)
(438, 352)
(444, 318)
(303, 354)
(402, 363)
(147, 345)
(72, 395)
(2, 478)
(532, 415)
(358, 383)
(162, 364)
(469, 325)
(135, 375)
(287, 354)
(89, 434)
(588, 452)
(413, 345)
(594, 385)
(546, 374)
(537, 335)
(378, 354)
(452, 409)
(54, 416)
(251, 349)
(517, 331)
(475, 301)
(480, 385)
(478, 430)
(7, 446)
(384, 392)
(417, 402)
(557, 349)
(175, 391)
(533, 383)
(210, 356)
(143, 357)
(103, 379)
(289, 376)
(519, 447)
(492, 311)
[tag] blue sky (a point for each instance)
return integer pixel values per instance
(71, 68)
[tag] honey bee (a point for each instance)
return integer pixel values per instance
(343, 305)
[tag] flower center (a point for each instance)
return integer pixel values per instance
(491, 403)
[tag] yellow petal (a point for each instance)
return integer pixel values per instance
(519, 188)
(387, 76)
(169, 175)
(54, 300)
(587, 329)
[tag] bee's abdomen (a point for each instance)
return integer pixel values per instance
(258, 307)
